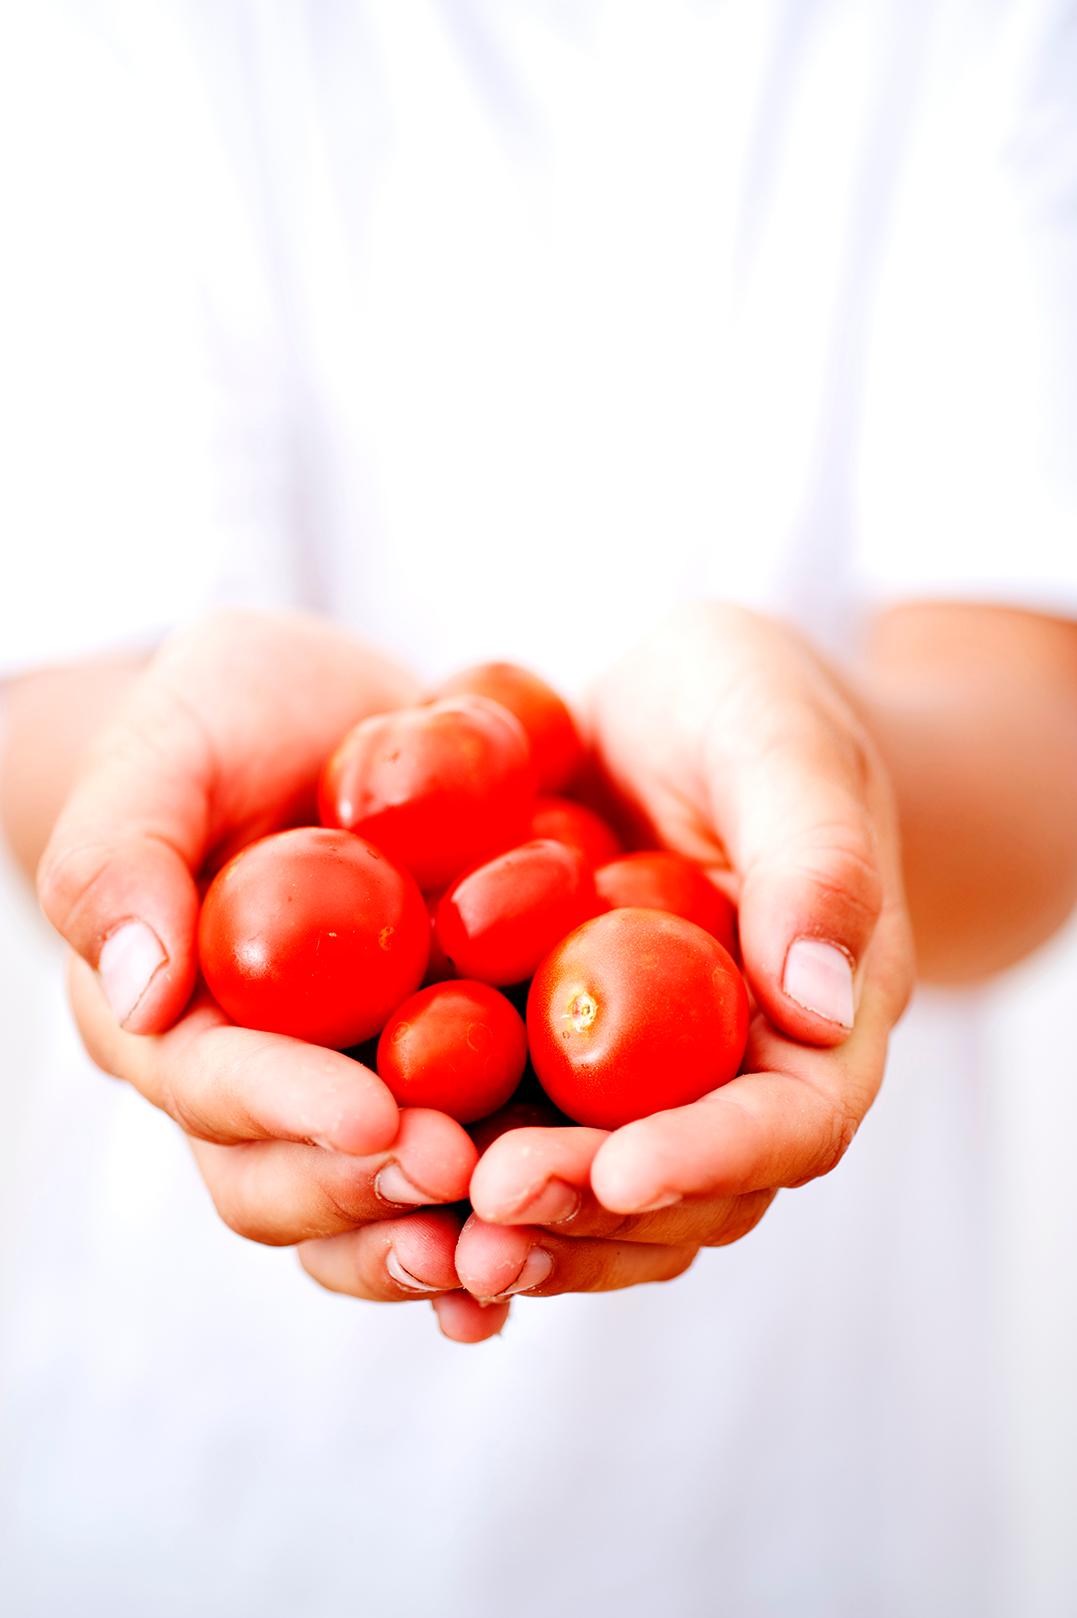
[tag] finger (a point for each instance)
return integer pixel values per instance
(395, 1261)
(544, 1179)
(463, 1319)
(227, 1084)
(535, 1175)
(495, 1262)
(219, 736)
(796, 796)
(761, 1131)
(278, 1193)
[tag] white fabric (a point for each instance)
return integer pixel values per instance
(498, 329)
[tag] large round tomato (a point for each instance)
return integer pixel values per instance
(313, 933)
(575, 824)
(662, 880)
(634, 1012)
(556, 746)
(438, 787)
(498, 921)
(460, 1047)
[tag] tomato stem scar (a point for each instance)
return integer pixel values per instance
(582, 1011)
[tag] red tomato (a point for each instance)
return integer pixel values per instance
(438, 788)
(312, 933)
(556, 746)
(459, 1047)
(497, 922)
(662, 880)
(634, 1012)
(576, 825)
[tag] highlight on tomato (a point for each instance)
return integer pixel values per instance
(313, 933)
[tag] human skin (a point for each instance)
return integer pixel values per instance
(954, 739)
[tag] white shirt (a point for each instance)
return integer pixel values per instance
(497, 329)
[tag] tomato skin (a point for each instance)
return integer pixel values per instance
(499, 920)
(662, 880)
(459, 1047)
(634, 1012)
(438, 787)
(312, 933)
(576, 825)
(556, 745)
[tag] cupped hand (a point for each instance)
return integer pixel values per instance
(220, 740)
(731, 741)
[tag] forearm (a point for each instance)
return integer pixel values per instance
(47, 720)
(975, 712)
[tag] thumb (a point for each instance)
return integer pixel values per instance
(116, 877)
(219, 741)
(801, 807)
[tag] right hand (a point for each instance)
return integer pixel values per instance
(220, 740)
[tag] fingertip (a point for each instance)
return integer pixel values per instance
(425, 1244)
(490, 1257)
(435, 1152)
(463, 1319)
(630, 1173)
(368, 1120)
(515, 1170)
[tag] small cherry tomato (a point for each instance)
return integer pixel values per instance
(497, 922)
(438, 787)
(634, 1012)
(459, 1047)
(662, 880)
(576, 825)
(556, 746)
(312, 933)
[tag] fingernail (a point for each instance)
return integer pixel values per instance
(391, 1184)
(555, 1204)
(819, 977)
(536, 1267)
(404, 1278)
(130, 959)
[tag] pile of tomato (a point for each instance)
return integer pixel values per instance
(454, 882)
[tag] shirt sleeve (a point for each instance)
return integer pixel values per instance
(967, 470)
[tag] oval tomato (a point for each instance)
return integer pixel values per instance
(312, 933)
(556, 746)
(438, 787)
(576, 825)
(634, 1012)
(459, 1047)
(497, 922)
(662, 880)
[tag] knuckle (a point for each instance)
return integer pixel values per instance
(840, 1127)
(841, 865)
(186, 1106)
(740, 1218)
(249, 1194)
(236, 1210)
(680, 1260)
(67, 876)
(338, 1207)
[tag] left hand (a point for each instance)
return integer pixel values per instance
(738, 746)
